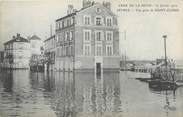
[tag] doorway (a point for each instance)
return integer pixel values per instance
(98, 69)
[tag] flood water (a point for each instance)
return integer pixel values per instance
(82, 94)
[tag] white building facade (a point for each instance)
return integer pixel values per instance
(35, 45)
(88, 38)
(17, 53)
(49, 52)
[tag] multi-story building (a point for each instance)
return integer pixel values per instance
(88, 38)
(49, 51)
(35, 43)
(17, 53)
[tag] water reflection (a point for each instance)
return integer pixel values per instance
(64, 94)
(169, 99)
(81, 94)
(7, 80)
(20, 95)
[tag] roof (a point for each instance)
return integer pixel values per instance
(97, 3)
(17, 39)
(49, 38)
(82, 10)
(34, 37)
(66, 16)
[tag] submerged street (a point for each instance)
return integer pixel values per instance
(80, 94)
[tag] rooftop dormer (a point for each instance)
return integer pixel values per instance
(107, 5)
(87, 3)
(70, 9)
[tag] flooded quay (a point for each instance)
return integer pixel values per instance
(83, 94)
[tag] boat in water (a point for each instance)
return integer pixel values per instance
(160, 85)
(163, 77)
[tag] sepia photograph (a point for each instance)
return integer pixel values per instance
(91, 58)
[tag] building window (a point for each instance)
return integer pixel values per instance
(71, 35)
(12, 46)
(61, 51)
(68, 53)
(109, 50)
(67, 36)
(57, 53)
(98, 35)
(72, 20)
(54, 42)
(59, 37)
(67, 50)
(109, 35)
(87, 20)
(72, 51)
(63, 24)
(99, 50)
(57, 25)
(64, 52)
(68, 22)
(98, 21)
(98, 10)
(56, 38)
(109, 21)
(60, 25)
(87, 49)
(87, 35)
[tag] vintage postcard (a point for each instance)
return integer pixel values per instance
(91, 58)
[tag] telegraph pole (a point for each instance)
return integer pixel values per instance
(165, 36)
(125, 51)
(166, 70)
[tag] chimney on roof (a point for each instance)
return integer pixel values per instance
(18, 35)
(70, 9)
(87, 3)
(107, 5)
(13, 37)
(93, 2)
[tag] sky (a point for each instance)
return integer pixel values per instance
(144, 31)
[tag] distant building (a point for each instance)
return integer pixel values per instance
(159, 61)
(35, 45)
(17, 53)
(138, 65)
(88, 38)
(49, 51)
